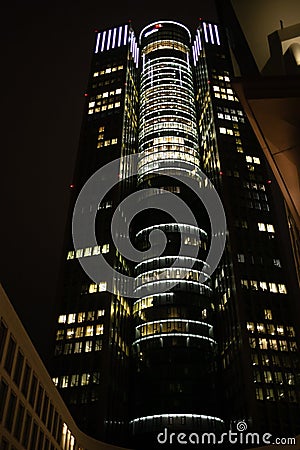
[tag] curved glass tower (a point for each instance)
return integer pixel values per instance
(174, 347)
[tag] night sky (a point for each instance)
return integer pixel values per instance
(45, 59)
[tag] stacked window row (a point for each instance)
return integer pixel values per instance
(77, 379)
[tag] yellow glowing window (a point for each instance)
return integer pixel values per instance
(102, 286)
(99, 329)
(71, 318)
(62, 318)
(93, 288)
(89, 331)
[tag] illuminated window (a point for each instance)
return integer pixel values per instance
(259, 394)
(79, 332)
(102, 286)
(273, 287)
(256, 376)
(270, 228)
(79, 253)
(62, 319)
(293, 346)
(241, 257)
(90, 315)
(273, 344)
(280, 329)
(60, 334)
(250, 327)
(93, 288)
(282, 289)
(263, 285)
(70, 333)
(254, 285)
(78, 347)
(71, 255)
(71, 318)
(290, 331)
(89, 330)
(74, 380)
(85, 378)
(263, 343)
(99, 329)
(261, 226)
(252, 342)
(64, 381)
(270, 394)
(271, 328)
(98, 345)
(244, 283)
(97, 249)
(260, 328)
(268, 314)
(265, 360)
(100, 312)
(278, 378)
(283, 346)
(277, 262)
(105, 249)
(87, 251)
(81, 317)
(268, 376)
(88, 346)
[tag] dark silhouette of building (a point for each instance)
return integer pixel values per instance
(209, 351)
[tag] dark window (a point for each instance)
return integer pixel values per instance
(46, 447)
(41, 440)
(32, 392)
(60, 428)
(19, 421)
(4, 444)
(25, 381)
(10, 353)
(3, 395)
(10, 411)
(50, 416)
(45, 408)
(18, 368)
(26, 431)
(39, 400)
(3, 334)
(34, 434)
(54, 432)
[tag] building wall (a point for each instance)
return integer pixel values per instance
(32, 412)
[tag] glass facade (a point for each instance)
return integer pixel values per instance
(192, 351)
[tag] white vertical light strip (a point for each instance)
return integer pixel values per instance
(108, 40)
(217, 35)
(199, 40)
(97, 42)
(120, 36)
(114, 38)
(211, 33)
(205, 32)
(103, 41)
(125, 34)
(194, 53)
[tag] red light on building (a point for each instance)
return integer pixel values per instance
(221, 173)
(269, 181)
(158, 25)
(86, 95)
(72, 186)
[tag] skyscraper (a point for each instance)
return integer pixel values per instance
(188, 350)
